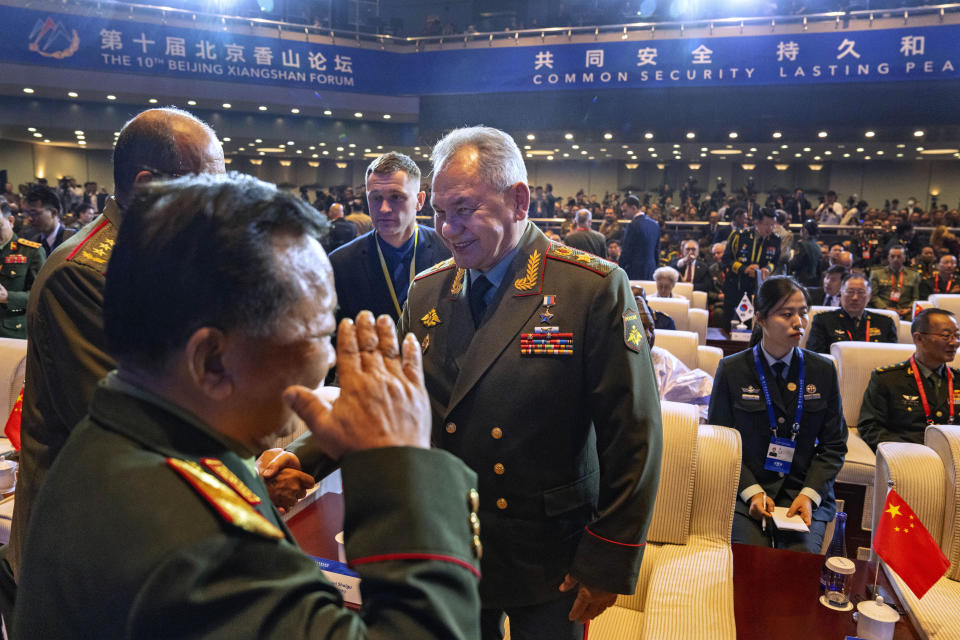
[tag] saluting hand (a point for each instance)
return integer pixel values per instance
(383, 399)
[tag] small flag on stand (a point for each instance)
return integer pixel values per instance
(12, 428)
(907, 547)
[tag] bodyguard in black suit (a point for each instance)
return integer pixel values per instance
(374, 271)
(641, 242)
(691, 268)
(762, 401)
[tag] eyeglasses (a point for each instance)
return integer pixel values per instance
(946, 336)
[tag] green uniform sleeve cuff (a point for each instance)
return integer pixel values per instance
(607, 564)
(405, 503)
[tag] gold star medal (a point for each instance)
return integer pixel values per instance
(792, 386)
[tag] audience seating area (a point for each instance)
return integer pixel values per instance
(685, 588)
(684, 345)
(925, 476)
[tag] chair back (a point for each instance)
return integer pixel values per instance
(676, 308)
(682, 289)
(681, 344)
(855, 362)
(945, 441)
(671, 511)
(948, 301)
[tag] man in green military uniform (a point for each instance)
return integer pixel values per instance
(152, 521)
(851, 321)
(67, 354)
(903, 398)
(750, 254)
(21, 261)
(895, 287)
(540, 379)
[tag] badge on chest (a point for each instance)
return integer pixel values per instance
(780, 455)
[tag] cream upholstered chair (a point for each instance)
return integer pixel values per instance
(948, 301)
(855, 362)
(698, 299)
(684, 346)
(327, 393)
(685, 589)
(925, 476)
(685, 317)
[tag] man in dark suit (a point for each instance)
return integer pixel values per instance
(851, 321)
(797, 206)
(341, 230)
(690, 267)
(540, 379)
(42, 208)
(583, 237)
(374, 271)
(829, 294)
(641, 242)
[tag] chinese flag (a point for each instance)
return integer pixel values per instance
(906, 546)
(12, 428)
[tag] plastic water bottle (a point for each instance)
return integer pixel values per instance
(837, 548)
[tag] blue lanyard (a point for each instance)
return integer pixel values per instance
(766, 392)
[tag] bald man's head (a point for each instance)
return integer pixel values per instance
(163, 143)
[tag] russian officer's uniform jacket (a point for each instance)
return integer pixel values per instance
(553, 402)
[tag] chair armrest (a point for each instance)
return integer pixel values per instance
(697, 321)
(903, 333)
(699, 300)
(708, 358)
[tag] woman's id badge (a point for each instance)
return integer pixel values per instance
(780, 455)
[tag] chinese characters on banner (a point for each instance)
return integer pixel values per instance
(72, 41)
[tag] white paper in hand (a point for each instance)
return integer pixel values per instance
(793, 523)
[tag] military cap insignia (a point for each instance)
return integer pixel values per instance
(437, 268)
(632, 330)
(230, 506)
(583, 259)
(530, 278)
(457, 285)
(431, 319)
(30, 243)
(217, 468)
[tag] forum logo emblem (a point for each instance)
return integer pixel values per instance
(52, 40)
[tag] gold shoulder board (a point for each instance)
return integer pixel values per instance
(231, 507)
(437, 268)
(583, 259)
(217, 468)
(29, 243)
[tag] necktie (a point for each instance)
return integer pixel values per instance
(688, 276)
(779, 369)
(478, 291)
(46, 246)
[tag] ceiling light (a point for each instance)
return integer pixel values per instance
(777, 135)
(879, 152)
(901, 146)
(313, 163)
(653, 155)
(228, 161)
(387, 116)
(291, 143)
(549, 157)
(869, 134)
(694, 166)
(748, 166)
(256, 161)
(262, 107)
(725, 152)
(661, 166)
(937, 152)
(691, 135)
(821, 134)
(294, 111)
(916, 134)
(47, 140)
(153, 101)
(631, 165)
(530, 136)
(38, 135)
(341, 165)
(27, 90)
(111, 97)
(339, 148)
(574, 146)
(73, 94)
(192, 103)
(327, 112)
(608, 136)
(286, 163)
(733, 135)
(815, 167)
(798, 155)
(227, 139)
(781, 167)
(899, 155)
(846, 155)
(784, 146)
(828, 153)
(31, 129)
(358, 114)
(81, 142)
(806, 149)
(566, 155)
(859, 149)
(258, 140)
(226, 105)
(648, 135)
(568, 136)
